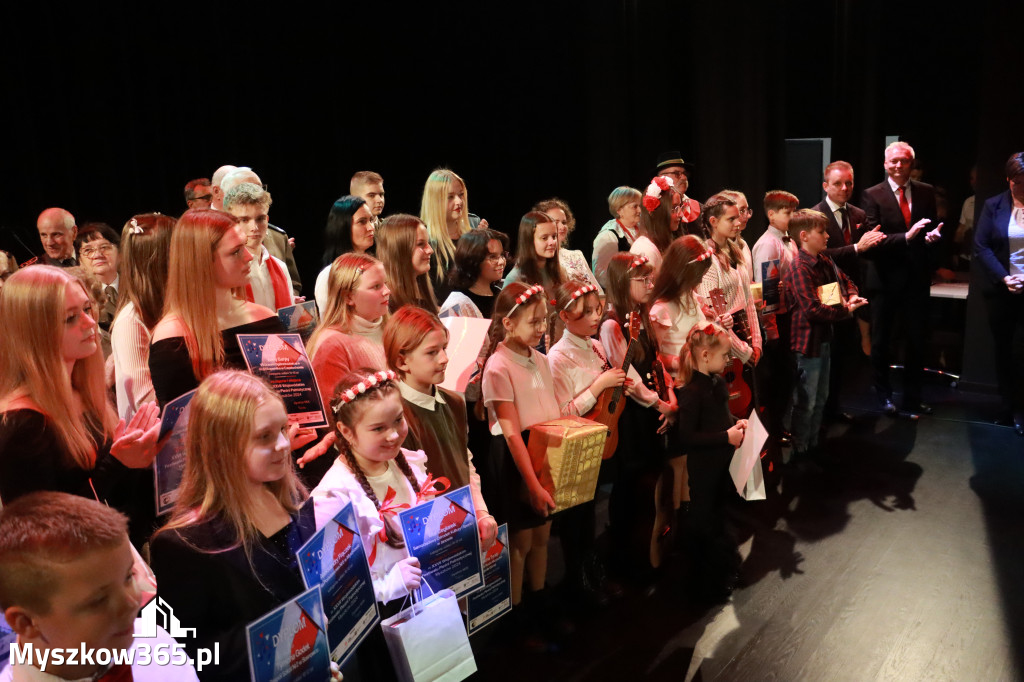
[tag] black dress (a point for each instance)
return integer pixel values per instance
(218, 591)
(32, 458)
(704, 418)
(171, 366)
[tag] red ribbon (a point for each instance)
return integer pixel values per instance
(429, 488)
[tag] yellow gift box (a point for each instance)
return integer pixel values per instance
(828, 294)
(566, 455)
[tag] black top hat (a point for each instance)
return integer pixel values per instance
(673, 158)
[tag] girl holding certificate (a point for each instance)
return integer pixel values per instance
(709, 434)
(227, 556)
(204, 311)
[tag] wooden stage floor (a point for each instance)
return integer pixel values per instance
(904, 560)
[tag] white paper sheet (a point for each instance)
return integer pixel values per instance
(748, 453)
(466, 337)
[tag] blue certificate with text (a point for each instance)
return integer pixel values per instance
(442, 534)
(300, 319)
(494, 599)
(334, 559)
(281, 359)
(169, 465)
(289, 643)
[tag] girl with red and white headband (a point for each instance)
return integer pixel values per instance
(642, 452)
(519, 392)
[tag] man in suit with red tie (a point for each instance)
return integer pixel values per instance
(844, 221)
(899, 274)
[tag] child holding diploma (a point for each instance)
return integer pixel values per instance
(227, 556)
(414, 342)
(709, 434)
(377, 476)
(519, 391)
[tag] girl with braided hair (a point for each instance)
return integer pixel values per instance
(377, 475)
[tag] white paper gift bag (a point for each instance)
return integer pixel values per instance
(428, 641)
(754, 489)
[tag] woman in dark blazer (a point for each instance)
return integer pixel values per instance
(999, 248)
(227, 556)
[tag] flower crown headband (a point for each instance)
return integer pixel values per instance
(652, 199)
(638, 261)
(579, 293)
(704, 256)
(525, 296)
(375, 379)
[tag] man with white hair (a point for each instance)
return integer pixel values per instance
(899, 274)
(217, 202)
(277, 240)
(57, 232)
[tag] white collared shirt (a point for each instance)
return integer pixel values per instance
(906, 192)
(259, 279)
(575, 363)
(427, 402)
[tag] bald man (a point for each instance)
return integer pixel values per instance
(277, 241)
(216, 189)
(57, 232)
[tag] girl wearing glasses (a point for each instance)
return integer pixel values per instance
(630, 282)
(475, 279)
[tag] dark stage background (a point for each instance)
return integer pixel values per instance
(109, 110)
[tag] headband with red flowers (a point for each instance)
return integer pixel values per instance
(704, 256)
(582, 291)
(525, 296)
(375, 379)
(638, 261)
(652, 199)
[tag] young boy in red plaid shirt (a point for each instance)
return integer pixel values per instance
(820, 294)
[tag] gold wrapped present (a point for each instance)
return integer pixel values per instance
(756, 292)
(566, 455)
(828, 294)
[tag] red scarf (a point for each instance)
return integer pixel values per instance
(281, 283)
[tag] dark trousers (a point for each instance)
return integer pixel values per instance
(910, 306)
(846, 350)
(1006, 319)
(775, 375)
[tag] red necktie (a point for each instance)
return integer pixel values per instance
(846, 225)
(904, 205)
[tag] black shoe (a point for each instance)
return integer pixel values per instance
(909, 415)
(889, 408)
(918, 408)
(785, 440)
(840, 416)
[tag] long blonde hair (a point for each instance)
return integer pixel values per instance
(342, 279)
(434, 214)
(191, 285)
(215, 482)
(396, 241)
(32, 310)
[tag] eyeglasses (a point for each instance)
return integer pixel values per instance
(676, 173)
(747, 211)
(204, 197)
(497, 257)
(647, 279)
(92, 251)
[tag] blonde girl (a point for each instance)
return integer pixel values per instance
(205, 309)
(444, 209)
(227, 556)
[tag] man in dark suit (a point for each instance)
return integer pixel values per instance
(899, 274)
(57, 232)
(844, 221)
